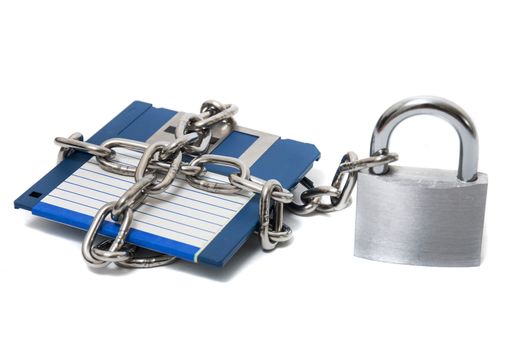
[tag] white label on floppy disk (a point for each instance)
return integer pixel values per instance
(182, 213)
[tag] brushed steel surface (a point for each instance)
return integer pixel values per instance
(420, 217)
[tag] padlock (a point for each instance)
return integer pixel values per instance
(419, 216)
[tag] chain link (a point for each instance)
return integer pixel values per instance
(255, 185)
(160, 164)
(98, 219)
(75, 142)
(272, 231)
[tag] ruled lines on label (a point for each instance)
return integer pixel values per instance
(182, 213)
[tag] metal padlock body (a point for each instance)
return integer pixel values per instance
(419, 216)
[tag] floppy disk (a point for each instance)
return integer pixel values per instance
(185, 222)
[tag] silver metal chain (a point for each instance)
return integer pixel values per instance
(339, 193)
(160, 164)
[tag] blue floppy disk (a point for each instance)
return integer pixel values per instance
(185, 222)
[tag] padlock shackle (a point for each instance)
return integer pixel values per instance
(435, 106)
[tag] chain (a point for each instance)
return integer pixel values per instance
(160, 164)
(340, 191)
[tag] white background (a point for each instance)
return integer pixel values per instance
(316, 72)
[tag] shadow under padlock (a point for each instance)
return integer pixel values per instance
(420, 216)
